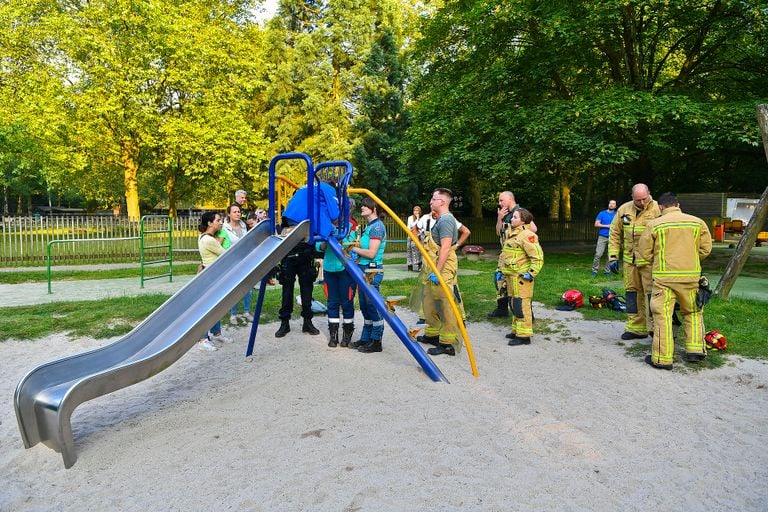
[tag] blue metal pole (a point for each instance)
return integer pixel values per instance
(429, 366)
(256, 316)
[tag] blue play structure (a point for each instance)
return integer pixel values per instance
(47, 396)
(339, 172)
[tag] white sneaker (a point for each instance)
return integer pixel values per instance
(207, 345)
(221, 338)
(233, 320)
(248, 317)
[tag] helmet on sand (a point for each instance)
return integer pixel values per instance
(715, 340)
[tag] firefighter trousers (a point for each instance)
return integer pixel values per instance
(663, 301)
(522, 311)
(638, 283)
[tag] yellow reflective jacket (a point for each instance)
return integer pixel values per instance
(521, 252)
(627, 227)
(676, 243)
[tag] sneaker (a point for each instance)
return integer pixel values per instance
(221, 338)
(248, 317)
(233, 320)
(594, 274)
(207, 345)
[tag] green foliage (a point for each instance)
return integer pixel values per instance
(534, 96)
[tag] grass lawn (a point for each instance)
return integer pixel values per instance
(744, 321)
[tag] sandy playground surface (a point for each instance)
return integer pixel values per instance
(568, 423)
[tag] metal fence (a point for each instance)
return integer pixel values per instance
(23, 240)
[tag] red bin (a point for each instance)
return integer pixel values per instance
(719, 233)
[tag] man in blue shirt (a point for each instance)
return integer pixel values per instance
(603, 225)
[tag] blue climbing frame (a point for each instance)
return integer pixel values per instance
(339, 172)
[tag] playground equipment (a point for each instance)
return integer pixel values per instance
(47, 396)
(144, 230)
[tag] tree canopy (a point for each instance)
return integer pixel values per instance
(161, 101)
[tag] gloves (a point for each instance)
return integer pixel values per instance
(614, 266)
(432, 277)
(498, 276)
(527, 276)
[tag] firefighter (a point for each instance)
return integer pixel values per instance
(507, 207)
(675, 243)
(520, 261)
(626, 229)
(442, 328)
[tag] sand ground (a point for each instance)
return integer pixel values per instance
(568, 423)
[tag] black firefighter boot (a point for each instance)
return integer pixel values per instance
(285, 328)
(333, 331)
(502, 308)
(346, 337)
(308, 327)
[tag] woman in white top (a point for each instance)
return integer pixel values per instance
(413, 256)
(210, 249)
(235, 229)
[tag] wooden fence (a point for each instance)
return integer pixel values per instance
(23, 240)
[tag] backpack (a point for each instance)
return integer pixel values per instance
(614, 301)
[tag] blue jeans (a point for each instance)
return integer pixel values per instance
(246, 303)
(216, 329)
(340, 289)
(373, 327)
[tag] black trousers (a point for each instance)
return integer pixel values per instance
(299, 263)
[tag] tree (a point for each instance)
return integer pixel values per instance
(593, 88)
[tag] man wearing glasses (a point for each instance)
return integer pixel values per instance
(626, 229)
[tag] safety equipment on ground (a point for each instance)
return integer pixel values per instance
(613, 301)
(613, 266)
(596, 301)
(573, 298)
(527, 276)
(704, 293)
(715, 340)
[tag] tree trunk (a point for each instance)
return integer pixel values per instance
(170, 186)
(475, 197)
(554, 206)
(747, 240)
(129, 156)
(565, 199)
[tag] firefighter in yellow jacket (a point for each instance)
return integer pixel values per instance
(442, 328)
(520, 261)
(627, 227)
(675, 243)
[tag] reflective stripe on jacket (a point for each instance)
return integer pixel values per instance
(521, 252)
(627, 228)
(676, 243)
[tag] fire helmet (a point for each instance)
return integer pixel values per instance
(573, 298)
(715, 340)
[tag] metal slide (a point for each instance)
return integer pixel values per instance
(48, 395)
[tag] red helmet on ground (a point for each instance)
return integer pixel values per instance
(573, 298)
(715, 340)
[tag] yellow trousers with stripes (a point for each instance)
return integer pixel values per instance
(523, 291)
(663, 301)
(638, 279)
